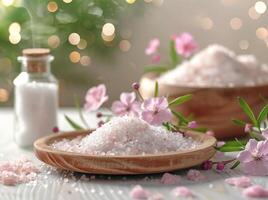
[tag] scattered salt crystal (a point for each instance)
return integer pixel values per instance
(127, 136)
(168, 178)
(138, 192)
(242, 181)
(195, 175)
(16, 172)
(182, 191)
(156, 196)
(217, 66)
(256, 191)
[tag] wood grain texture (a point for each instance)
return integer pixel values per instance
(134, 164)
(212, 107)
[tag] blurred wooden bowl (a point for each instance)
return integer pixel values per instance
(132, 164)
(213, 108)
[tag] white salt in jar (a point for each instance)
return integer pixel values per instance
(36, 97)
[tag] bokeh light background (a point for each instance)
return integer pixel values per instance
(97, 41)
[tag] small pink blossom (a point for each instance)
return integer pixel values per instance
(127, 105)
(192, 124)
(255, 157)
(182, 191)
(220, 143)
(156, 58)
(95, 97)
(241, 182)
(195, 175)
(152, 46)
(256, 191)
(185, 44)
(138, 192)
(169, 179)
(156, 111)
(210, 133)
(248, 128)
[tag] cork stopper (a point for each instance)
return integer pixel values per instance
(35, 52)
(36, 61)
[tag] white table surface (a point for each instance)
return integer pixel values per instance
(52, 185)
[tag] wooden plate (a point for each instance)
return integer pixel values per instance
(133, 164)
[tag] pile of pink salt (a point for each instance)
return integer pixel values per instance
(16, 172)
(127, 136)
(217, 66)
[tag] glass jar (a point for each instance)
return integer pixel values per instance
(36, 97)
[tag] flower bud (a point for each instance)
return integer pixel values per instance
(136, 86)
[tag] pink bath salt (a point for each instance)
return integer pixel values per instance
(138, 192)
(241, 182)
(195, 175)
(9, 178)
(256, 191)
(170, 179)
(16, 172)
(220, 143)
(182, 191)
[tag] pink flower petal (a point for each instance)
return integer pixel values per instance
(192, 124)
(185, 45)
(256, 167)
(195, 175)
(152, 46)
(169, 179)
(241, 182)
(95, 97)
(182, 191)
(138, 192)
(245, 156)
(255, 191)
(127, 98)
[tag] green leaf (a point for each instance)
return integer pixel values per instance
(238, 122)
(234, 145)
(263, 114)
(156, 88)
(156, 69)
(175, 59)
(179, 100)
(201, 129)
(230, 148)
(235, 164)
(180, 117)
(72, 123)
(244, 105)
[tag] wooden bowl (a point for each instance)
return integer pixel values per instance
(212, 107)
(133, 164)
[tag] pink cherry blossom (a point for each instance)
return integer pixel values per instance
(95, 97)
(192, 124)
(241, 182)
(156, 111)
(248, 128)
(127, 105)
(182, 191)
(185, 44)
(170, 179)
(256, 191)
(255, 157)
(210, 133)
(152, 46)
